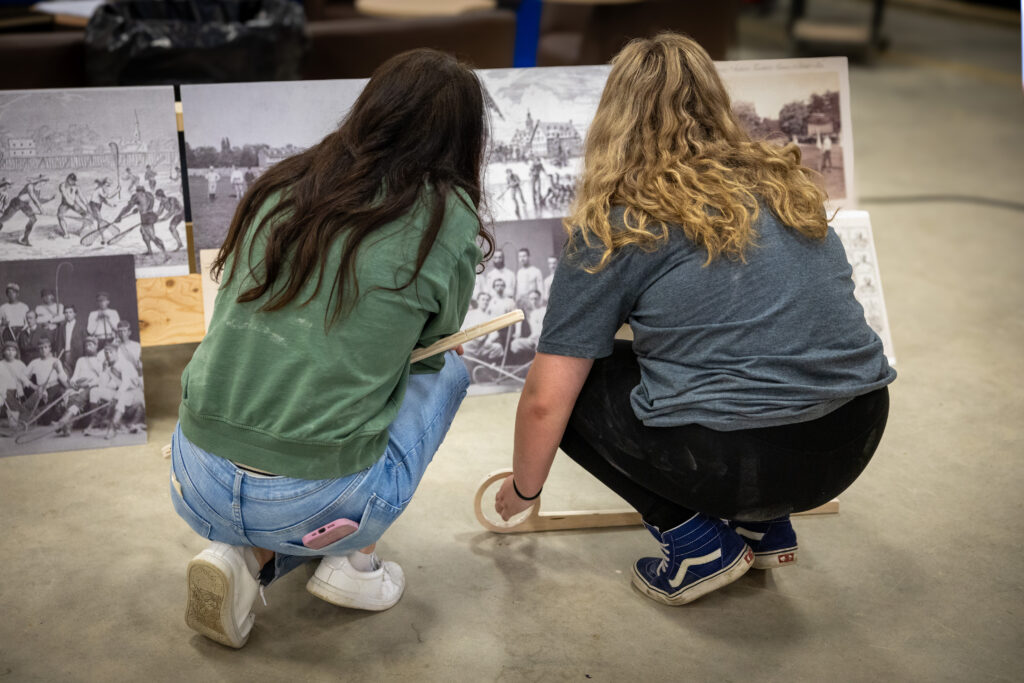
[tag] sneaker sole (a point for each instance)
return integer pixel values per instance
(738, 568)
(329, 593)
(776, 559)
(208, 611)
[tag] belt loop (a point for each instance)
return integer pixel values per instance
(236, 502)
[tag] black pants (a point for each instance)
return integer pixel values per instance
(668, 473)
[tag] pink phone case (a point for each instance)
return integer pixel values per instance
(329, 533)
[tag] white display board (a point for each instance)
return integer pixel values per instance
(854, 229)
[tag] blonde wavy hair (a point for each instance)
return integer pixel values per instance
(665, 144)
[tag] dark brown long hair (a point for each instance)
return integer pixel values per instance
(418, 130)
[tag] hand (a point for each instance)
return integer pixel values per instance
(507, 503)
(459, 350)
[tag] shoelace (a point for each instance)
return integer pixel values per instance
(663, 565)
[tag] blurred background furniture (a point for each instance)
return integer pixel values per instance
(858, 38)
(353, 47)
(42, 59)
(578, 32)
(343, 44)
(347, 43)
(421, 8)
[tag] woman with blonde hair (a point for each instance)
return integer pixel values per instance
(753, 387)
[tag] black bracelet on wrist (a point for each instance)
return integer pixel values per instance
(520, 493)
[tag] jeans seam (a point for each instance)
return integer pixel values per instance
(429, 424)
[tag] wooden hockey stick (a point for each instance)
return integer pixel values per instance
(483, 329)
(119, 236)
(549, 521)
(576, 519)
(41, 432)
(448, 343)
(88, 238)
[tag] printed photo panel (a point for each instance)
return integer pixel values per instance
(804, 101)
(71, 369)
(92, 172)
(236, 131)
(519, 276)
(539, 120)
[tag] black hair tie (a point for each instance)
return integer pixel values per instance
(520, 493)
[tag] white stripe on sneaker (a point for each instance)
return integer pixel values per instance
(747, 533)
(690, 561)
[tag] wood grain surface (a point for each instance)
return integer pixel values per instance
(170, 310)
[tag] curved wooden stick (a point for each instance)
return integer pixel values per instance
(453, 340)
(585, 519)
(549, 521)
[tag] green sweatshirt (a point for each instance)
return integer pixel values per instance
(275, 391)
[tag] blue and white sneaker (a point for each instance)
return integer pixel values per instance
(701, 555)
(773, 542)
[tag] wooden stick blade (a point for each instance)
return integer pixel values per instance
(463, 336)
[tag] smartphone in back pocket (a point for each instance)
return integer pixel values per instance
(329, 533)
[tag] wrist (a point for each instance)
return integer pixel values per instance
(519, 493)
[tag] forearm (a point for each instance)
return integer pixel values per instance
(538, 432)
(545, 405)
(548, 397)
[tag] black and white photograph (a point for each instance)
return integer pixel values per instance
(71, 370)
(854, 230)
(517, 276)
(806, 101)
(539, 119)
(92, 172)
(236, 131)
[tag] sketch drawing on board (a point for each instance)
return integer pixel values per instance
(518, 275)
(92, 172)
(71, 365)
(538, 119)
(235, 131)
(854, 230)
(806, 101)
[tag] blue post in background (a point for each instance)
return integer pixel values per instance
(527, 33)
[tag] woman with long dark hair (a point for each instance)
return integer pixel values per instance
(300, 412)
(753, 387)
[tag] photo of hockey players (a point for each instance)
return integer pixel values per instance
(518, 275)
(71, 366)
(538, 121)
(235, 131)
(92, 172)
(806, 101)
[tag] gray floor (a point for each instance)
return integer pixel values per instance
(919, 577)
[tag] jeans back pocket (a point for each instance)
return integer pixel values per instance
(377, 516)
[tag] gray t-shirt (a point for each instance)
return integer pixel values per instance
(777, 340)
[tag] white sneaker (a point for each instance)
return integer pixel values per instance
(222, 589)
(339, 583)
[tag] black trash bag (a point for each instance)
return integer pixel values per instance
(157, 42)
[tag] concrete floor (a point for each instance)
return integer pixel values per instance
(918, 579)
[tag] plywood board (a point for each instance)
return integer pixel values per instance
(170, 310)
(209, 285)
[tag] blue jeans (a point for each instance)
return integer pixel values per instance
(224, 503)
